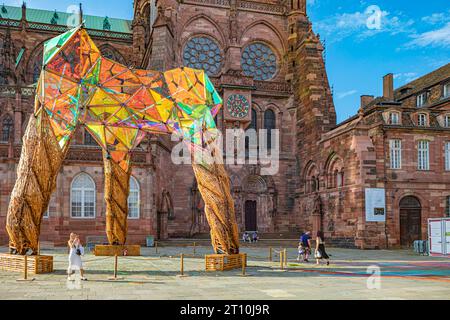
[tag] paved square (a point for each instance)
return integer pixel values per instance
(351, 275)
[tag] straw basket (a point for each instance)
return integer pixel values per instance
(35, 264)
(221, 262)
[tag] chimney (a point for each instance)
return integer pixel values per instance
(365, 100)
(388, 86)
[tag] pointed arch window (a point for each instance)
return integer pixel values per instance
(111, 53)
(134, 199)
(312, 179)
(269, 125)
(2, 74)
(36, 67)
(335, 172)
(82, 197)
(7, 128)
(88, 139)
(253, 125)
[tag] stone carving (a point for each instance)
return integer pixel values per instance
(317, 209)
(255, 184)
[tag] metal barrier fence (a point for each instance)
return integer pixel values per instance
(273, 254)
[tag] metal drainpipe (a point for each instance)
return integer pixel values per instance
(385, 184)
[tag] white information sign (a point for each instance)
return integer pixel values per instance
(439, 236)
(375, 205)
(447, 237)
(435, 233)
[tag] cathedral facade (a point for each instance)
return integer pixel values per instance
(268, 65)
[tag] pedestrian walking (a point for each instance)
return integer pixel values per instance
(320, 252)
(304, 246)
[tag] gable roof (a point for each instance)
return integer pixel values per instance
(423, 82)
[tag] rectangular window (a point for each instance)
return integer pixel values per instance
(394, 118)
(421, 99)
(89, 204)
(447, 206)
(133, 205)
(447, 156)
(423, 158)
(76, 203)
(422, 119)
(447, 121)
(446, 90)
(395, 147)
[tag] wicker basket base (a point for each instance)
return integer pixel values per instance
(111, 250)
(35, 264)
(221, 262)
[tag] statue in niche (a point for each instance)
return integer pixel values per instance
(197, 209)
(166, 205)
(317, 209)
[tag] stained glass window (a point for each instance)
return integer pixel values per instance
(259, 61)
(269, 124)
(203, 53)
(253, 125)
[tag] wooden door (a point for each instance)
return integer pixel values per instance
(410, 221)
(250, 216)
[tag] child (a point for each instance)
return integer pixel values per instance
(301, 251)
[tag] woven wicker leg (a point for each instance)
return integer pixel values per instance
(39, 164)
(117, 189)
(214, 186)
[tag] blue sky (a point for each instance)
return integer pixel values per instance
(364, 40)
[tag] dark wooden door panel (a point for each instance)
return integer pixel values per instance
(410, 226)
(250, 216)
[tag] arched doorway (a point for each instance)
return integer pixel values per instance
(410, 220)
(250, 216)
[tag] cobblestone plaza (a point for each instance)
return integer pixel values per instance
(351, 275)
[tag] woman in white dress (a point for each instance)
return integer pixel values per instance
(76, 251)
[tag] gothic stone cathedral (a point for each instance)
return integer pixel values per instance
(268, 65)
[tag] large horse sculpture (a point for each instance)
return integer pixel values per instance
(118, 105)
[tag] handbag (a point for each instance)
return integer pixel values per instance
(318, 255)
(78, 252)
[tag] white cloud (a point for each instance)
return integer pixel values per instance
(405, 77)
(343, 25)
(342, 95)
(437, 18)
(434, 38)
